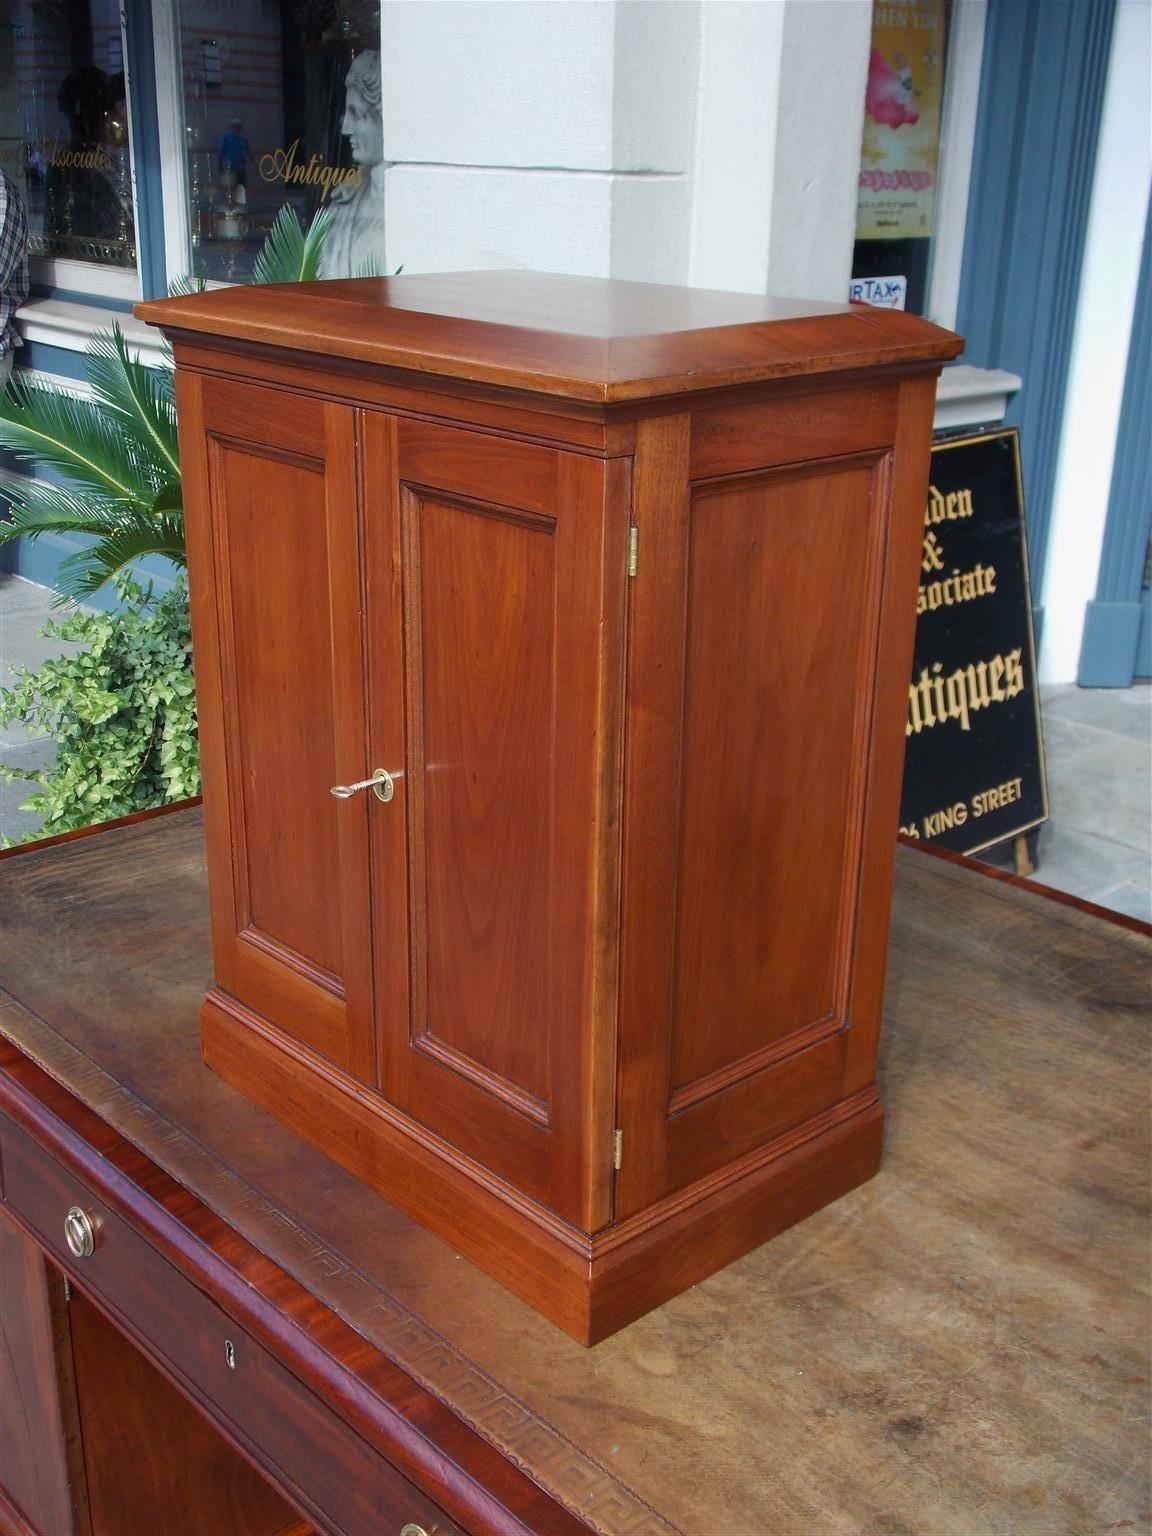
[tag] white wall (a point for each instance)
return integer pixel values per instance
(714, 142)
(553, 134)
(1107, 299)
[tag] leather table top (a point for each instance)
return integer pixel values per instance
(958, 1348)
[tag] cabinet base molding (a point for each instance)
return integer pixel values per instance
(589, 1286)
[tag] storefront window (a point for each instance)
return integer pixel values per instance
(900, 154)
(65, 130)
(281, 107)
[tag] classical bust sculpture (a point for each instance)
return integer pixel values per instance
(355, 239)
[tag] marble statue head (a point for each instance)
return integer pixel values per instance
(354, 242)
(363, 121)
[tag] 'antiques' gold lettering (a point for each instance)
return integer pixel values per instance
(283, 165)
(934, 699)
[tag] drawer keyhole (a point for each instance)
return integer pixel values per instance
(230, 1354)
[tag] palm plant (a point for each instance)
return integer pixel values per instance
(290, 253)
(114, 457)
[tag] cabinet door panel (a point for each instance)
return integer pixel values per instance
(483, 604)
(276, 629)
(755, 627)
(41, 1459)
(274, 567)
(496, 620)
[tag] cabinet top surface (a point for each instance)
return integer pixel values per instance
(584, 338)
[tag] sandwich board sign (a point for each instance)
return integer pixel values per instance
(974, 762)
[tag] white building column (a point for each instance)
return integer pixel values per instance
(820, 123)
(712, 142)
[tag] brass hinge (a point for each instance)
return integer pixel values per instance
(618, 1150)
(67, 1288)
(633, 549)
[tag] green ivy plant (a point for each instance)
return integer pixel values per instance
(121, 710)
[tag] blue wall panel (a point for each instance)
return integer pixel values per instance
(39, 560)
(61, 362)
(1114, 622)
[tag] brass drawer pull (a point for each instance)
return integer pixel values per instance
(412, 1530)
(380, 784)
(79, 1233)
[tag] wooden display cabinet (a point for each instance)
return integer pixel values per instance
(598, 598)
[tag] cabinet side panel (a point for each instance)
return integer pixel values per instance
(755, 821)
(486, 598)
(777, 655)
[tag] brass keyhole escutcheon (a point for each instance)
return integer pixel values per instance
(380, 784)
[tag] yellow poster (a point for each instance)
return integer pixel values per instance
(898, 162)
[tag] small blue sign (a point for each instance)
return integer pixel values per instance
(880, 292)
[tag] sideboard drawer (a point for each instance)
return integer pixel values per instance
(337, 1478)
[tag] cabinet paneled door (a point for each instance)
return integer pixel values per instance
(552, 642)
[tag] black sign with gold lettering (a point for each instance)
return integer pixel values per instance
(974, 770)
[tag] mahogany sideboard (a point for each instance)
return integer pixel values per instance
(552, 648)
(958, 1347)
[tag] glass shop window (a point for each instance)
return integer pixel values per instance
(64, 129)
(900, 154)
(281, 107)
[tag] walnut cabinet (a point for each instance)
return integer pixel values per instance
(604, 595)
